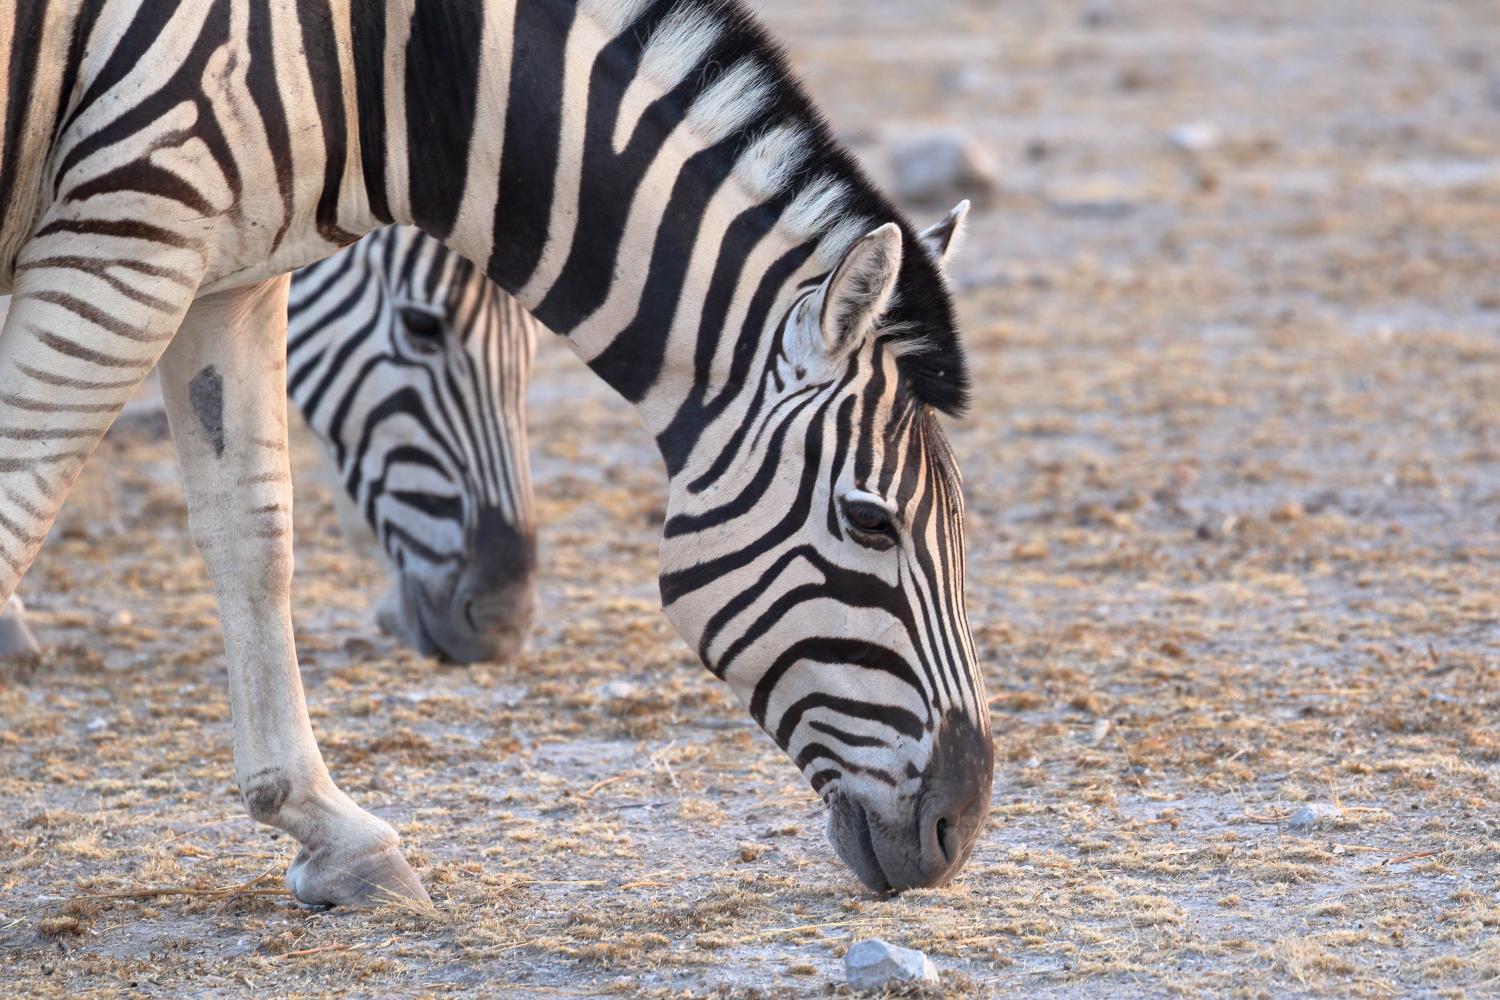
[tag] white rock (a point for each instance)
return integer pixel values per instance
(1314, 814)
(941, 168)
(1195, 137)
(617, 690)
(875, 965)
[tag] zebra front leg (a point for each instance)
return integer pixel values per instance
(224, 381)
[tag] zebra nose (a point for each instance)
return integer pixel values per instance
(923, 838)
(950, 822)
(494, 601)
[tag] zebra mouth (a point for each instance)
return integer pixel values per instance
(849, 831)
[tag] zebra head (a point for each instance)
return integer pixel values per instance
(411, 367)
(814, 552)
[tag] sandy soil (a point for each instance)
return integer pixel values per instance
(1233, 480)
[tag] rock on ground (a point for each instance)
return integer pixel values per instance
(873, 964)
(941, 168)
(1314, 814)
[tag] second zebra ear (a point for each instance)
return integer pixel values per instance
(860, 288)
(943, 239)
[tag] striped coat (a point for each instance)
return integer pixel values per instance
(646, 178)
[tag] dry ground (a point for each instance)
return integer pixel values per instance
(1233, 496)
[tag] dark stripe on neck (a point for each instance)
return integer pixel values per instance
(320, 49)
(533, 122)
(260, 80)
(608, 183)
(632, 361)
(367, 30)
(442, 92)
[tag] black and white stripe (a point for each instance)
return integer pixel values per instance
(646, 178)
(411, 369)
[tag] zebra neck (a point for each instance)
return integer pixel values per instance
(632, 177)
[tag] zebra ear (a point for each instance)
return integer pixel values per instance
(860, 288)
(943, 239)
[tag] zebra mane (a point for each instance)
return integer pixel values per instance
(791, 158)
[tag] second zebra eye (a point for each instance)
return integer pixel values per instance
(424, 328)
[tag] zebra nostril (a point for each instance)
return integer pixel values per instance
(947, 839)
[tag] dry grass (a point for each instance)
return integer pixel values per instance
(1233, 500)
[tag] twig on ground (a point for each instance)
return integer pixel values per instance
(242, 889)
(1412, 856)
(607, 781)
(326, 947)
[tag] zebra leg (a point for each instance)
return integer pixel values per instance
(224, 381)
(93, 308)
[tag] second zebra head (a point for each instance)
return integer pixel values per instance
(411, 368)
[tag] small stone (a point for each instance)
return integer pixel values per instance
(1195, 137)
(941, 168)
(875, 965)
(1314, 814)
(618, 691)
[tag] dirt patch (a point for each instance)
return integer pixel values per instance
(1233, 509)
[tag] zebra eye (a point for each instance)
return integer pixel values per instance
(868, 518)
(426, 329)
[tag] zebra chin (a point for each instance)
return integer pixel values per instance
(919, 834)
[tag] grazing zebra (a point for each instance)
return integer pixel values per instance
(411, 368)
(648, 180)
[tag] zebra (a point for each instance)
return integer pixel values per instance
(410, 367)
(649, 181)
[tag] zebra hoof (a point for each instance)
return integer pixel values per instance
(325, 877)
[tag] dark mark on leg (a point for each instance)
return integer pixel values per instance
(206, 394)
(265, 793)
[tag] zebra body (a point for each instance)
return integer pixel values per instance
(647, 180)
(411, 367)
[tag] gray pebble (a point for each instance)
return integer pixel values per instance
(1314, 814)
(875, 965)
(941, 168)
